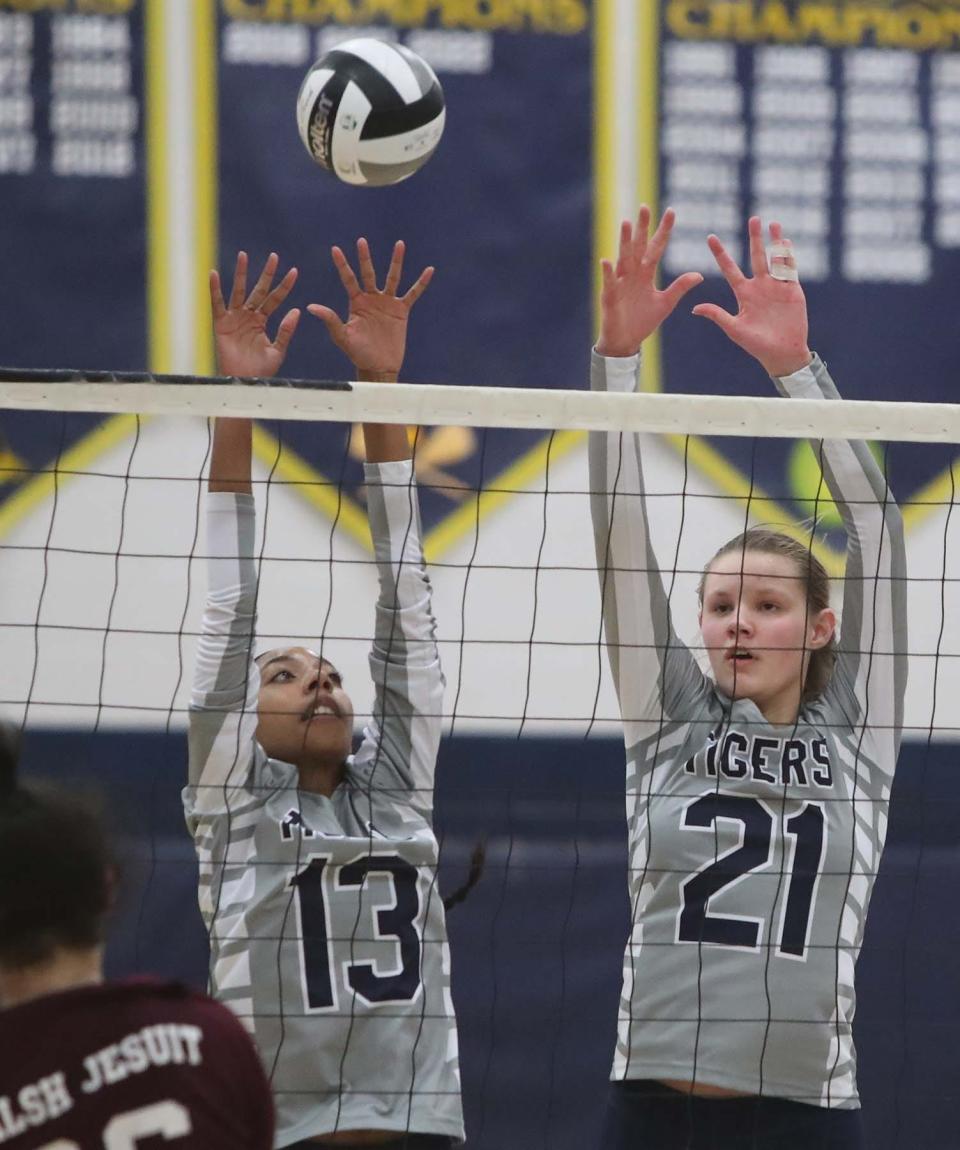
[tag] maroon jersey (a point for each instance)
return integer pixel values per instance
(135, 1065)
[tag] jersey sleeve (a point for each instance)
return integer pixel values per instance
(656, 677)
(870, 677)
(400, 742)
(223, 703)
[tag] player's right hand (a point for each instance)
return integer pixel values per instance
(240, 334)
(631, 305)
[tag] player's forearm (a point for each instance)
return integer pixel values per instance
(223, 660)
(230, 459)
(384, 442)
(405, 628)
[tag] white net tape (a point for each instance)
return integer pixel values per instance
(457, 406)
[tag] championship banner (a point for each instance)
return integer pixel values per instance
(842, 121)
(839, 119)
(74, 235)
(502, 210)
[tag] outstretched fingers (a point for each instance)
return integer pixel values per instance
(625, 249)
(261, 289)
(217, 306)
(239, 290)
(729, 268)
(279, 293)
(288, 325)
(680, 287)
(642, 233)
(333, 323)
(782, 258)
(723, 319)
(661, 237)
(419, 287)
(395, 270)
(758, 253)
(345, 271)
(368, 275)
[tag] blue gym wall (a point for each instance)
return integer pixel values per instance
(537, 945)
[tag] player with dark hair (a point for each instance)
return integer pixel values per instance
(318, 866)
(94, 1064)
(758, 796)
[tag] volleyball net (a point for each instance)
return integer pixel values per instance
(102, 570)
(102, 540)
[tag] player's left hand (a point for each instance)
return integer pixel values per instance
(374, 336)
(771, 321)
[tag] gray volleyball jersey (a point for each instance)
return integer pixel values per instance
(753, 848)
(327, 929)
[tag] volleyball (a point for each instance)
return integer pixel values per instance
(370, 112)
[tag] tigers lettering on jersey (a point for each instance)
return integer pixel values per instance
(737, 757)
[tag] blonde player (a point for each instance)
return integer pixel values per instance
(318, 865)
(757, 795)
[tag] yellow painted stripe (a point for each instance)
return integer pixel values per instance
(286, 466)
(647, 103)
(604, 125)
(517, 477)
(319, 491)
(78, 459)
(159, 332)
(935, 496)
(206, 172)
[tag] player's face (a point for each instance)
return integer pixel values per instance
(305, 715)
(759, 630)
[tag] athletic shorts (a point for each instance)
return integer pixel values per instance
(646, 1115)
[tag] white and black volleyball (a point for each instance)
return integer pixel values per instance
(371, 112)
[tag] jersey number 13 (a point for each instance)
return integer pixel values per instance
(391, 925)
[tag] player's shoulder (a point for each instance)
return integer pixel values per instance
(176, 998)
(128, 1001)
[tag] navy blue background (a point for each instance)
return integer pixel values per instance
(538, 944)
(882, 341)
(73, 248)
(503, 211)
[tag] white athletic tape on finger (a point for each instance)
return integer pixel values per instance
(780, 270)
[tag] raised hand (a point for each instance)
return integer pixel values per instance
(240, 326)
(374, 336)
(631, 306)
(771, 320)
